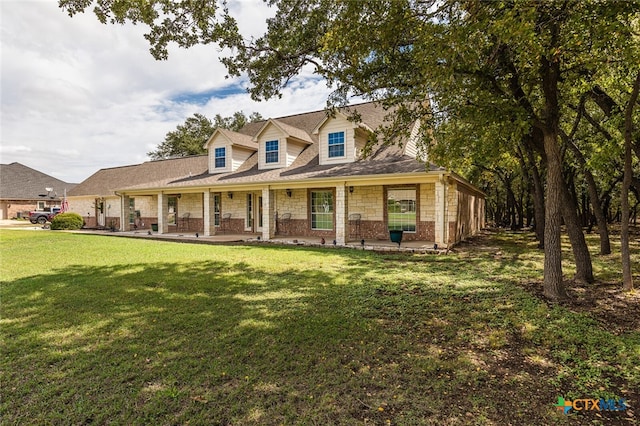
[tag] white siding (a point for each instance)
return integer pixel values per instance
(411, 147)
(235, 156)
(360, 142)
(293, 150)
(219, 142)
(239, 156)
(271, 133)
(337, 124)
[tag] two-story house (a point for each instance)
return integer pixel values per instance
(302, 175)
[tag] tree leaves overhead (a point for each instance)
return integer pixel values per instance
(189, 138)
(185, 22)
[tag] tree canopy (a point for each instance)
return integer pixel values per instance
(189, 138)
(489, 80)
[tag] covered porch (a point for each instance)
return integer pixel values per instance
(431, 210)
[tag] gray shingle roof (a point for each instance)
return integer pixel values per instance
(305, 167)
(106, 181)
(193, 171)
(239, 139)
(19, 182)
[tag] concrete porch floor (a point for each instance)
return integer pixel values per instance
(289, 240)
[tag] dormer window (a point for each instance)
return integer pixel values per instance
(336, 145)
(271, 152)
(220, 158)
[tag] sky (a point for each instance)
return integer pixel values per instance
(78, 96)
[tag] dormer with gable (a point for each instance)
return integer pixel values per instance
(340, 140)
(228, 150)
(279, 144)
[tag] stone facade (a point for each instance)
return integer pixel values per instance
(367, 201)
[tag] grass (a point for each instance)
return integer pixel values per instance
(103, 330)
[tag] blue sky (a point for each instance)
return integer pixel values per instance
(78, 96)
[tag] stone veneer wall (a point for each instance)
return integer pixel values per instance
(192, 225)
(296, 205)
(427, 202)
(368, 201)
(143, 223)
(301, 227)
(377, 230)
(192, 204)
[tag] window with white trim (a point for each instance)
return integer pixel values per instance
(336, 144)
(220, 158)
(271, 152)
(401, 209)
(322, 210)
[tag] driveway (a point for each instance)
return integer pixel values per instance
(18, 224)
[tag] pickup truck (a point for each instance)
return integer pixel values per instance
(43, 217)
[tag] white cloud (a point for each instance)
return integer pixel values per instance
(78, 96)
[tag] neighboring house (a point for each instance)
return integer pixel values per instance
(301, 175)
(23, 189)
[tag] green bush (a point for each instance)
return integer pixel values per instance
(67, 221)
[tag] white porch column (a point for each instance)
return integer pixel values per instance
(341, 215)
(441, 225)
(207, 203)
(163, 212)
(124, 204)
(268, 212)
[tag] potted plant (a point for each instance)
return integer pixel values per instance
(395, 235)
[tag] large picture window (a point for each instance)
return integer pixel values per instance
(271, 152)
(401, 209)
(220, 158)
(336, 144)
(322, 210)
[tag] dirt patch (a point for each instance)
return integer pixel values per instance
(618, 310)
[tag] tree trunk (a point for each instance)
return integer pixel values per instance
(627, 275)
(512, 203)
(584, 268)
(592, 188)
(553, 284)
(550, 72)
(538, 196)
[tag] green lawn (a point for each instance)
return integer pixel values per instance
(99, 329)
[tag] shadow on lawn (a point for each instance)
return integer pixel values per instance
(217, 342)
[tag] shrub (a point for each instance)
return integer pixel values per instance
(67, 221)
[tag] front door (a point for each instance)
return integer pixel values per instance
(100, 217)
(253, 217)
(172, 217)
